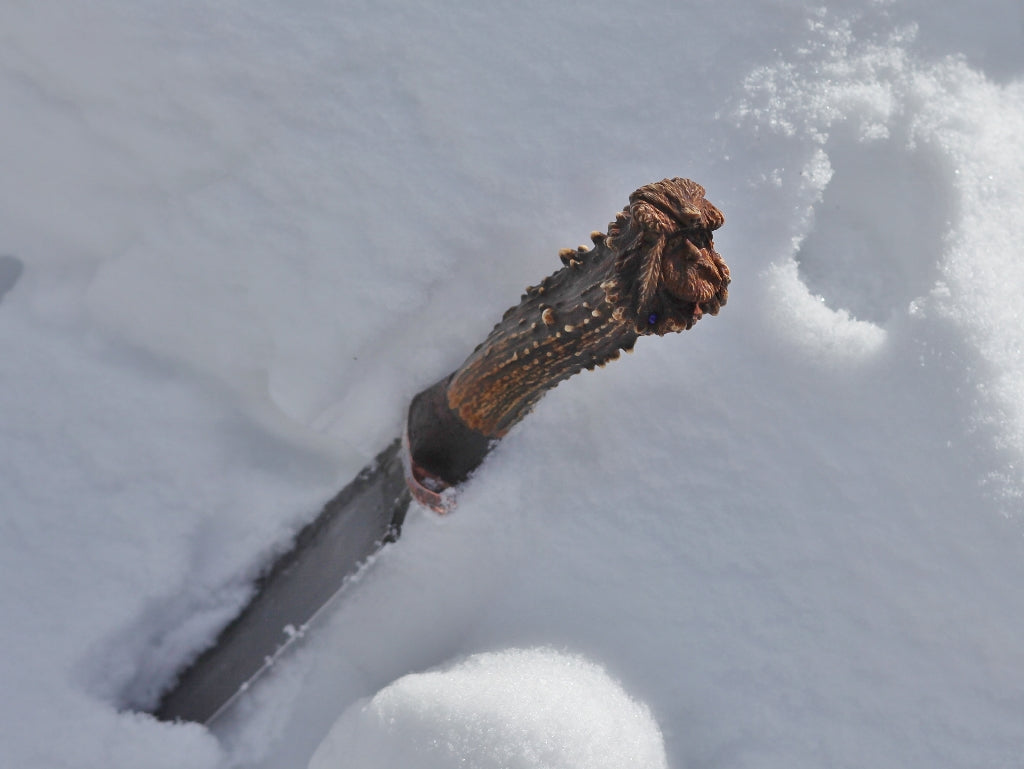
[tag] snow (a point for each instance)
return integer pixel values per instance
(516, 708)
(236, 238)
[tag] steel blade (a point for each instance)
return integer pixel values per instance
(354, 525)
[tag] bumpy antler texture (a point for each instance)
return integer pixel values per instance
(655, 271)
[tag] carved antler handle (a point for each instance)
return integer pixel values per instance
(656, 271)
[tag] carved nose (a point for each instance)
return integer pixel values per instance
(713, 216)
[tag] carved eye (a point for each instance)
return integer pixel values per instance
(693, 221)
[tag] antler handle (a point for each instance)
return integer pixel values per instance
(656, 271)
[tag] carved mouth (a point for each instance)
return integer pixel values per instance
(700, 288)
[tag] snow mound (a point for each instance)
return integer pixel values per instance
(514, 709)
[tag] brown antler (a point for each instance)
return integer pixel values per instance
(656, 271)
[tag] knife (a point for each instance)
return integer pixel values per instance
(655, 271)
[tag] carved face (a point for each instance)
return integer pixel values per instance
(667, 259)
(692, 271)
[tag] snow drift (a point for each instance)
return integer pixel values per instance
(516, 709)
(236, 238)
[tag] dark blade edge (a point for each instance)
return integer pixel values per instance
(353, 526)
(294, 636)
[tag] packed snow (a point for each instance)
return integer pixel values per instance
(515, 709)
(237, 238)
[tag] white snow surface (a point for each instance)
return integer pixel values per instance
(236, 238)
(516, 709)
